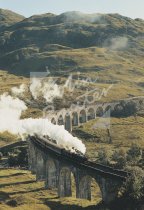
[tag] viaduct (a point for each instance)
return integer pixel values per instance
(50, 164)
(77, 115)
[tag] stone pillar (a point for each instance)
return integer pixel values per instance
(75, 119)
(31, 156)
(51, 175)
(109, 189)
(84, 188)
(40, 166)
(68, 123)
(64, 186)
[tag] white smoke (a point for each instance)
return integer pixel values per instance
(18, 91)
(75, 16)
(43, 127)
(117, 43)
(48, 90)
(10, 111)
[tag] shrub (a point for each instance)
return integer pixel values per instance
(12, 160)
(104, 157)
(119, 156)
(134, 154)
(134, 187)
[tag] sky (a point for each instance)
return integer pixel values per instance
(130, 8)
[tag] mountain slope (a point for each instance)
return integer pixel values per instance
(8, 17)
(70, 40)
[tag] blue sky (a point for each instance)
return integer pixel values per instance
(130, 8)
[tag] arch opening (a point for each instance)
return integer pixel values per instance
(96, 195)
(53, 121)
(73, 185)
(67, 185)
(89, 189)
(75, 119)
(60, 120)
(108, 110)
(91, 114)
(99, 112)
(82, 117)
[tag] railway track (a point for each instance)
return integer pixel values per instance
(73, 158)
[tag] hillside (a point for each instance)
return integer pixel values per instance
(8, 18)
(107, 49)
(72, 40)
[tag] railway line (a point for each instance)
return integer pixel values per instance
(79, 160)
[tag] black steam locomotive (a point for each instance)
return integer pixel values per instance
(52, 145)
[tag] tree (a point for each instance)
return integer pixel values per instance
(134, 186)
(130, 108)
(119, 156)
(103, 156)
(134, 154)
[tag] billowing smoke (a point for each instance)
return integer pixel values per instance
(18, 91)
(46, 89)
(49, 89)
(10, 111)
(79, 16)
(117, 43)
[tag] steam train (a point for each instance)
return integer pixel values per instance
(52, 145)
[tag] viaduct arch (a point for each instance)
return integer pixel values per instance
(78, 115)
(56, 171)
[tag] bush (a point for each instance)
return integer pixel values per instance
(134, 154)
(12, 160)
(125, 109)
(104, 157)
(134, 187)
(119, 156)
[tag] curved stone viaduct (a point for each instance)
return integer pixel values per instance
(78, 115)
(55, 168)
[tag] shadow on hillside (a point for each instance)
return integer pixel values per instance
(4, 196)
(57, 205)
(13, 175)
(16, 183)
(25, 192)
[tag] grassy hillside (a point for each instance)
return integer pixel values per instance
(72, 41)
(20, 191)
(124, 132)
(8, 18)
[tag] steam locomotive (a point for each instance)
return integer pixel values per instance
(52, 145)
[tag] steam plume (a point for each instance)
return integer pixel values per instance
(117, 43)
(49, 89)
(10, 111)
(18, 91)
(79, 16)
